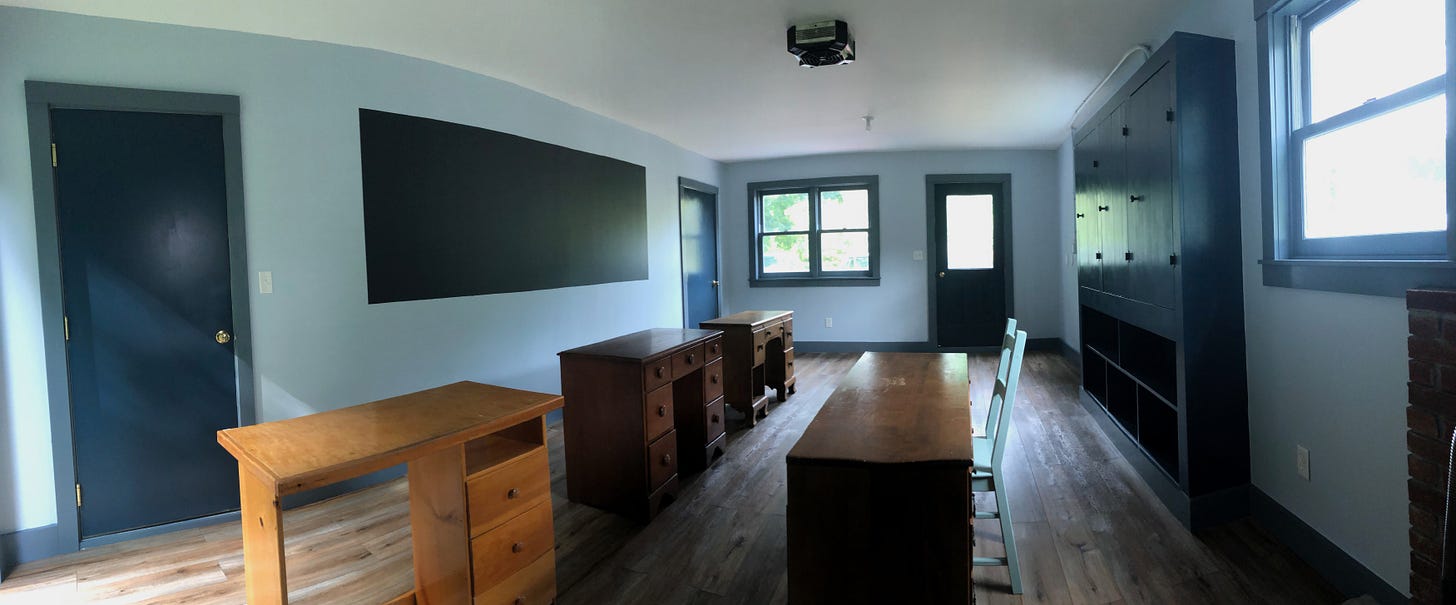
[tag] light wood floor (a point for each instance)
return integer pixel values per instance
(1089, 531)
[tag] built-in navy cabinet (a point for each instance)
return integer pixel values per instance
(1160, 278)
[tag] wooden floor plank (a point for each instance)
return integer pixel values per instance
(1088, 530)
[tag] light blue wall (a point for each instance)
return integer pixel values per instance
(897, 310)
(318, 344)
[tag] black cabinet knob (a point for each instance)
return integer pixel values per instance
(1102, 208)
(1134, 198)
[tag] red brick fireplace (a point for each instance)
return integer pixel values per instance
(1430, 418)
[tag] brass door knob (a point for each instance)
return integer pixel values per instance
(715, 283)
(222, 337)
(941, 274)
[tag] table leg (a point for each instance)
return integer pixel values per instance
(263, 570)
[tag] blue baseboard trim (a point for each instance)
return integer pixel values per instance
(857, 346)
(44, 542)
(29, 545)
(1072, 355)
(1347, 575)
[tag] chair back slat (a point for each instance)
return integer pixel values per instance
(1007, 394)
(993, 410)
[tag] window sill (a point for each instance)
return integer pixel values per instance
(812, 282)
(1371, 277)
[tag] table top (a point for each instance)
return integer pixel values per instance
(894, 408)
(644, 345)
(747, 318)
(327, 447)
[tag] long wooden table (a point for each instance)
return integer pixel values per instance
(879, 508)
(479, 488)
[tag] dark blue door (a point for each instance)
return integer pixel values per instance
(970, 276)
(698, 212)
(142, 208)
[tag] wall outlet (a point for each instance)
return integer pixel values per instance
(828, 322)
(1301, 461)
(917, 255)
(265, 282)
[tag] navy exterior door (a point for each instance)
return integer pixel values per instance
(698, 213)
(970, 286)
(142, 210)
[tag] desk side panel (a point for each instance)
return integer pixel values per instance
(878, 534)
(604, 427)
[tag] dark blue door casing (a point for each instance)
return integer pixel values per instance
(970, 304)
(699, 212)
(142, 209)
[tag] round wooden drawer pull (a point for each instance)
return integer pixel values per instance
(715, 419)
(520, 600)
(513, 494)
(690, 358)
(659, 372)
(714, 378)
(661, 411)
(666, 459)
(518, 547)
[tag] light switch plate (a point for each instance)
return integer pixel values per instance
(828, 322)
(917, 255)
(265, 282)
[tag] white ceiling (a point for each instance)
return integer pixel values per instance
(713, 75)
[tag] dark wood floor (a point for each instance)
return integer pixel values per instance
(1089, 531)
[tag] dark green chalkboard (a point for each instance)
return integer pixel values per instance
(455, 210)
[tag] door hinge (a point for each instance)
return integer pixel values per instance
(1127, 256)
(1099, 256)
(66, 325)
(1095, 163)
(1124, 131)
(54, 163)
(1172, 259)
(78, 495)
(1170, 115)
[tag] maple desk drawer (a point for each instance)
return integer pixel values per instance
(501, 492)
(505, 550)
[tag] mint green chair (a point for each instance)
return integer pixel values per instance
(1008, 342)
(989, 451)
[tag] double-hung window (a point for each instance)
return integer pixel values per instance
(815, 232)
(1357, 129)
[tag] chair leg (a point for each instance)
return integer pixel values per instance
(1003, 509)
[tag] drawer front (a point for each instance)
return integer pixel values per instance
(658, 412)
(759, 348)
(662, 460)
(789, 334)
(687, 362)
(788, 363)
(713, 380)
(534, 585)
(713, 419)
(505, 550)
(505, 491)
(656, 373)
(713, 349)
(766, 334)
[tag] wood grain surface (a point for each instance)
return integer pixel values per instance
(327, 447)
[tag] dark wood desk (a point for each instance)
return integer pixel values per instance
(639, 408)
(879, 507)
(758, 352)
(479, 488)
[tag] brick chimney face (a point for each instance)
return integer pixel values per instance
(1430, 417)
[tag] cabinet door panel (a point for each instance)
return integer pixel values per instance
(1089, 271)
(1112, 195)
(1150, 191)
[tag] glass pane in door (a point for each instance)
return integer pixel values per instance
(970, 232)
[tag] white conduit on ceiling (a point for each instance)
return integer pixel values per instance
(1141, 48)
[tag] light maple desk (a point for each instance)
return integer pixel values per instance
(479, 488)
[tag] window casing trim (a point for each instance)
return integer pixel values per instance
(815, 276)
(1382, 265)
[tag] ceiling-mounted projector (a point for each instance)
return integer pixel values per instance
(821, 43)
